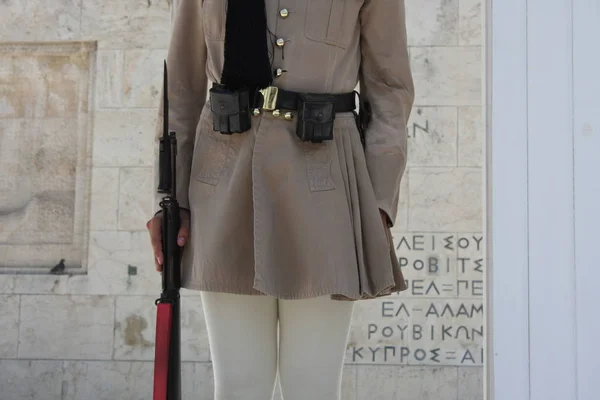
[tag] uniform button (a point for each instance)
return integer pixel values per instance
(280, 42)
(284, 13)
(278, 72)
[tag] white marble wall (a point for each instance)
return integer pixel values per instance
(45, 121)
(90, 335)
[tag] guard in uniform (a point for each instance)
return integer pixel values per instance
(290, 188)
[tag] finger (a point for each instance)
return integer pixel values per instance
(158, 260)
(183, 234)
(158, 256)
(156, 239)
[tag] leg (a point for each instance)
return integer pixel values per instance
(313, 336)
(242, 332)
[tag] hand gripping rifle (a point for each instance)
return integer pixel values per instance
(167, 359)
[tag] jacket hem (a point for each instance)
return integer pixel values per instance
(334, 295)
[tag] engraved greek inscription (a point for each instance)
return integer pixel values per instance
(387, 311)
(439, 320)
(418, 290)
(419, 129)
(473, 287)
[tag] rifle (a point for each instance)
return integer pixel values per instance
(167, 357)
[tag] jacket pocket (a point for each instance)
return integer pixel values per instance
(333, 22)
(210, 155)
(318, 165)
(213, 19)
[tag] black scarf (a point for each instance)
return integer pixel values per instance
(247, 63)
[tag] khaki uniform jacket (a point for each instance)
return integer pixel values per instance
(271, 214)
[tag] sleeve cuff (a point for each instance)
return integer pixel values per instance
(385, 171)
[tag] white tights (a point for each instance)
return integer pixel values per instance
(243, 337)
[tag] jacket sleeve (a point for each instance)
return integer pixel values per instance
(386, 82)
(187, 85)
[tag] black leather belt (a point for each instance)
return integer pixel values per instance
(314, 112)
(274, 98)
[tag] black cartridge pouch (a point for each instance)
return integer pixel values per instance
(230, 109)
(316, 113)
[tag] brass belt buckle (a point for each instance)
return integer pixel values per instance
(269, 97)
